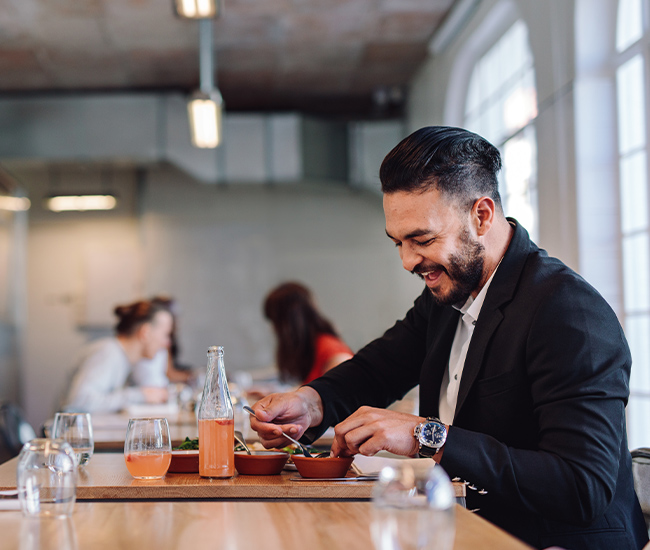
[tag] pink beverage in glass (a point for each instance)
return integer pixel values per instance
(216, 421)
(148, 465)
(147, 448)
(216, 448)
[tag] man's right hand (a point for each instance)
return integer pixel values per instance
(291, 412)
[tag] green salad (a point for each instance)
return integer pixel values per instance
(188, 445)
(193, 445)
(293, 450)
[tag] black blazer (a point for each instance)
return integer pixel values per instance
(540, 417)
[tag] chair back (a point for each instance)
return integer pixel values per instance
(641, 473)
(15, 431)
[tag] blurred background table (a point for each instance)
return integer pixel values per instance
(109, 430)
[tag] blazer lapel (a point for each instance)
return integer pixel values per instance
(475, 353)
(501, 291)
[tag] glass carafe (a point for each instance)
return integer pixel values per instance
(216, 421)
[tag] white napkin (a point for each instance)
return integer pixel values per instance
(372, 465)
(9, 504)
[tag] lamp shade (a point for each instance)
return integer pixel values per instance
(205, 112)
(198, 9)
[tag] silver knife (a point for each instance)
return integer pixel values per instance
(357, 478)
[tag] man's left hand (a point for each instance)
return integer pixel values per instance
(370, 430)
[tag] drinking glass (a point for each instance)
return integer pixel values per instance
(47, 478)
(413, 508)
(147, 448)
(77, 430)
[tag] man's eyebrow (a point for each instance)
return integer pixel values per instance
(411, 235)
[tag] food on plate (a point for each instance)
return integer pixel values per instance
(188, 445)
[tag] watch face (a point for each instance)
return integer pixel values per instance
(433, 435)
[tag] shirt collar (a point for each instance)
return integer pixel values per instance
(472, 307)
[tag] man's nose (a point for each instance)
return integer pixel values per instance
(410, 258)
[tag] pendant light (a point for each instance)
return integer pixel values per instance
(198, 9)
(206, 105)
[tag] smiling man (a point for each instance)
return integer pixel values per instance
(523, 368)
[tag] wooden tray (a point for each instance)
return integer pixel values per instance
(105, 477)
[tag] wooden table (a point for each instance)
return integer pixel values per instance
(106, 477)
(237, 525)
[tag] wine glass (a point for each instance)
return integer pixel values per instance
(77, 430)
(147, 448)
(413, 507)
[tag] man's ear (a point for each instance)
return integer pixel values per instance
(483, 215)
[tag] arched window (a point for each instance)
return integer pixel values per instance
(631, 75)
(501, 106)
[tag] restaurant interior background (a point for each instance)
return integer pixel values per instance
(93, 100)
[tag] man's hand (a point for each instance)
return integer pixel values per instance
(370, 430)
(292, 412)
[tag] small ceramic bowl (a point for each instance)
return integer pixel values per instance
(322, 467)
(184, 462)
(260, 463)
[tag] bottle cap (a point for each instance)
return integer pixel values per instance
(215, 349)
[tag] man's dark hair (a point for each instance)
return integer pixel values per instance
(458, 163)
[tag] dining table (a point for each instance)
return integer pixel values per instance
(228, 525)
(275, 512)
(106, 477)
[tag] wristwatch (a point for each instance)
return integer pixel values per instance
(431, 436)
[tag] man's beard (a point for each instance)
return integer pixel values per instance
(464, 271)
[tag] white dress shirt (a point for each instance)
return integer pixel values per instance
(454, 372)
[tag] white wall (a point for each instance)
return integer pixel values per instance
(370, 142)
(551, 34)
(217, 249)
(12, 300)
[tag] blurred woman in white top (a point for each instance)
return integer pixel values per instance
(100, 382)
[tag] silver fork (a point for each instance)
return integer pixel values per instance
(304, 449)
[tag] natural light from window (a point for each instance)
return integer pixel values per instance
(501, 106)
(633, 189)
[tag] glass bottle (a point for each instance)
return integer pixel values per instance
(216, 421)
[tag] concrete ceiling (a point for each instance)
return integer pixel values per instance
(315, 56)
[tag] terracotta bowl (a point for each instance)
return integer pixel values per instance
(322, 467)
(184, 462)
(260, 463)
